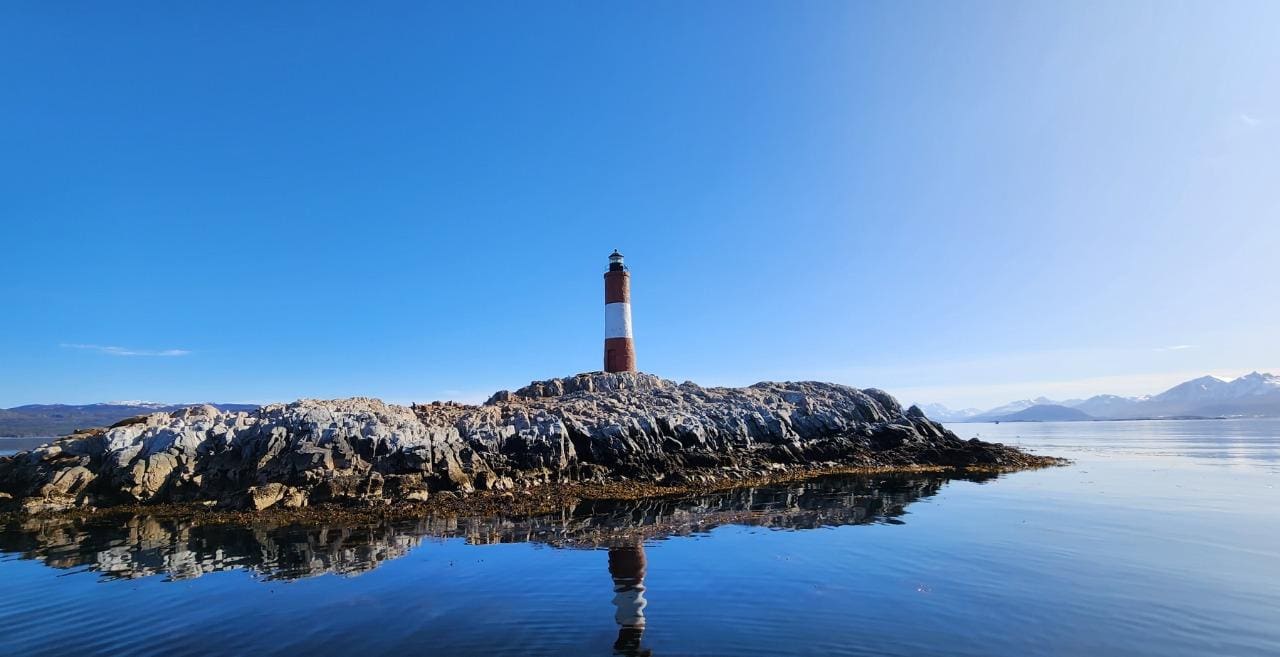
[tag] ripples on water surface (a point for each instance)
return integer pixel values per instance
(1163, 538)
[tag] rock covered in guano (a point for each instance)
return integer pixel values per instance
(589, 428)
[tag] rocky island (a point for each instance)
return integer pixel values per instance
(622, 434)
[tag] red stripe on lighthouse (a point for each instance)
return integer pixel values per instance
(619, 355)
(617, 287)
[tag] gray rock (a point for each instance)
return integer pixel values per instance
(592, 427)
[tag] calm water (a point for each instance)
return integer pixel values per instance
(10, 445)
(1162, 539)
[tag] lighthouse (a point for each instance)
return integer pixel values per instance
(619, 350)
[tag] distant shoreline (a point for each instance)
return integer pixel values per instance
(1122, 419)
(22, 443)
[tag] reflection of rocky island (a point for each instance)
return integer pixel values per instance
(184, 548)
(617, 429)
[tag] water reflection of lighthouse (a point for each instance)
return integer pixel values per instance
(627, 567)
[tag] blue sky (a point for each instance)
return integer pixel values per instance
(957, 202)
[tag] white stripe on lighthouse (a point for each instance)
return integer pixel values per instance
(617, 320)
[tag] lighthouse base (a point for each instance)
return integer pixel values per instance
(619, 355)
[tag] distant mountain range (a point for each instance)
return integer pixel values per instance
(1253, 394)
(61, 419)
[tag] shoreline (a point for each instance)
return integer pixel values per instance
(534, 501)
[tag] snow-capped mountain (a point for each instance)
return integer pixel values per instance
(1253, 394)
(134, 403)
(1211, 388)
(1255, 383)
(1014, 407)
(1203, 388)
(941, 413)
(1107, 405)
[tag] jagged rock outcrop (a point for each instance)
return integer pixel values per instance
(593, 427)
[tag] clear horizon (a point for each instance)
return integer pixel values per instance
(1129, 386)
(964, 205)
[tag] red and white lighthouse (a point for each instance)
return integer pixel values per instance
(619, 350)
